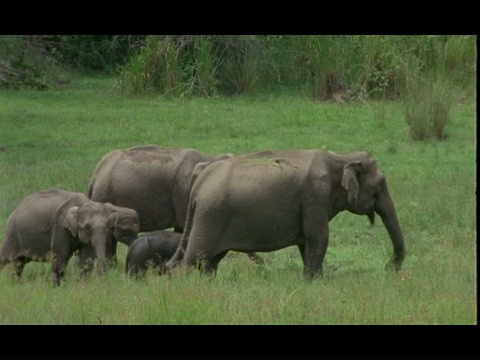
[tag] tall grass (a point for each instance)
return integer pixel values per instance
(321, 65)
(206, 66)
(155, 69)
(427, 109)
(433, 83)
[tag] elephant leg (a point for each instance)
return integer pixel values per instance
(209, 267)
(58, 274)
(18, 266)
(257, 259)
(138, 271)
(3, 262)
(86, 267)
(59, 263)
(86, 256)
(315, 248)
(314, 256)
(301, 248)
(112, 254)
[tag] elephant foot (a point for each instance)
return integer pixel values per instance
(394, 264)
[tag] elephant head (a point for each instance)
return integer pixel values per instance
(366, 192)
(90, 224)
(124, 223)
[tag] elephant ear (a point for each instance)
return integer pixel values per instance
(350, 180)
(71, 220)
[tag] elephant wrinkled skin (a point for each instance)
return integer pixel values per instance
(269, 200)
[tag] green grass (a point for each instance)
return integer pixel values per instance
(55, 139)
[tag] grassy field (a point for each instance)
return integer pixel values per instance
(55, 139)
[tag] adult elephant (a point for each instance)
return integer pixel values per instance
(269, 200)
(51, 225)
(152, 180)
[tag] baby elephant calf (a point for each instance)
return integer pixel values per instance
(152, 249)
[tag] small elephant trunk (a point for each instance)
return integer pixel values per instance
(100, 250)
(386, 209)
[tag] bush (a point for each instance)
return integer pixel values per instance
(93, 52)
(32, 61)
(187, 64)
(154, 69)
(427, 109)
(23, 63)
(434, 69)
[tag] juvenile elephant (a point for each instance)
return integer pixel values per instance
(50, 225)
(125, 228)
(269, 200)
(151, 249)
(152, 180)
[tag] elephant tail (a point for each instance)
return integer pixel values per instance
(188, 228)
(90, 186)
(182, 245)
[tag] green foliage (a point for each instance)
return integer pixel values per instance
(354, 66)
(185, 65)
(338, 67)
(437, 69)
(154, 69)
(55, 139)
(319, 56)
(39, 61)
(427, 109)
(22, 62)
(242, 65)
(93, 52)
(205, 66)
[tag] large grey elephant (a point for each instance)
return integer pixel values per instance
(152, 180)
(50, 225)
(269, 200)
(152, 249)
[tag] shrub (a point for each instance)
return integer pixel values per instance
(427, 109)
(93, 52)
(154, 69)
(241, 64)
(23, 62)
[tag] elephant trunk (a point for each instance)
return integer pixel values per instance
(100, 250)
(386, 209)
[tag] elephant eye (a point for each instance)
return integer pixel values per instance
(87, 229)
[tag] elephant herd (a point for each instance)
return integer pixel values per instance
(257, 202)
